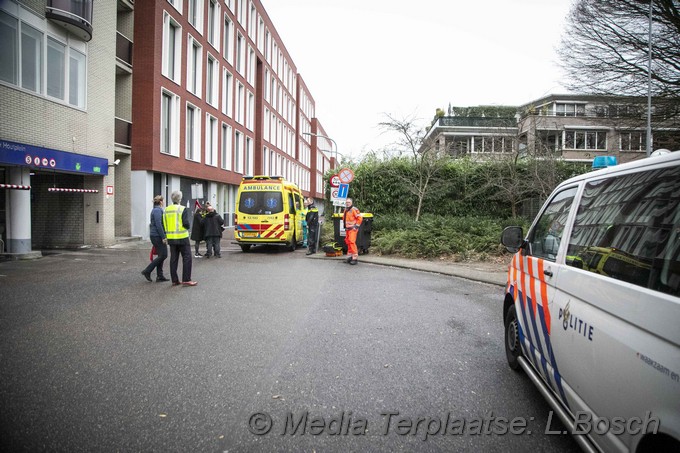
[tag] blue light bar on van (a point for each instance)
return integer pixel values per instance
(604, 162)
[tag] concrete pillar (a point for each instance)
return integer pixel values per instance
(19, 212)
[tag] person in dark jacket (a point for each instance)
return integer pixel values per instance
(312, 219)
(212, 231)
(157, 236)
(197, 229)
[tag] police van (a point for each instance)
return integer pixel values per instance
(592, 305)
(269, 210)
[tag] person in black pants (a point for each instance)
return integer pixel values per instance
(157, 236)
(312, 226)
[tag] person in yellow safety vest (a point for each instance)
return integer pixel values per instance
(352, 220)
(176, 221)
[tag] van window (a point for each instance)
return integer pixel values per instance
(260, 203)
(544, 239)
(628, 228)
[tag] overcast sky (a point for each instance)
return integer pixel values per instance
(363, 58)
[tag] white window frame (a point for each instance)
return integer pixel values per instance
(192, 150)
(241, 13)
(226, 151)
(214, 21)
(194, 66)
(240, 53)
(176, 75)
(240, 100)
(196, 22)
(211, 143)
(250, 110)
(251, 66)
(212, 82)
(227, 92)
(238, 151)
(249, 155)
(252, 21)
(177, 4)
(228, 39)
(172, 122)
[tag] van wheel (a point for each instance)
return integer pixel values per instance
(513, 348)
(245, 248)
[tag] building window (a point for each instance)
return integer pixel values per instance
(169, 123)
(177, 4)
(49, 66)
(193, 133)
(172, 48)
(251, 66)
(240, 99)
(212, 82)
(9, 56)
(211, 140)
(265, 133)
(194, 67)
(570, 109)
(240, 49)
(227, 92)
(241, 13)
(249, 156)
(226, 147)
(585, 140)
(251, 111)
(56, 67)
(252, 21)
(31, 60)
(228, 40)
(633, 141)
(238, 152)
(196, 14)
(214, 23)
(76, 79)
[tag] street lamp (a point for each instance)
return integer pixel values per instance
(328, 138)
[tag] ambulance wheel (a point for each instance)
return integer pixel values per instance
(513, 348)
(245, 248)
(293, 243)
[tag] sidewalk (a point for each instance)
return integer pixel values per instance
(481, 271)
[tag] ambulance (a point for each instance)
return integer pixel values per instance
(592, 306)
(269, 211)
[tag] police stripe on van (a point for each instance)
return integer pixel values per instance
(530, 292)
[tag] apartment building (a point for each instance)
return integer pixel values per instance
(572, 127)
(216, 96)
(106, 104)
(57, 120)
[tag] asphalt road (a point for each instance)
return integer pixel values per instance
(320, 355)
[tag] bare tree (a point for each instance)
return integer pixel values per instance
(605, 47)
(427, 161)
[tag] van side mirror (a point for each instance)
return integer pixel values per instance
(512, 238)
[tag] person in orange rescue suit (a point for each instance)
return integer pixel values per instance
(352, 220)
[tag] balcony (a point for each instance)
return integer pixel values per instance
(123, 53)
(123, 133)
(74, 15)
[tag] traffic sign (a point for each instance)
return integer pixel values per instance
(343, 190)
(335, 181)
(346, 175)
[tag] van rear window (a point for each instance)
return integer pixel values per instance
(260, 203)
